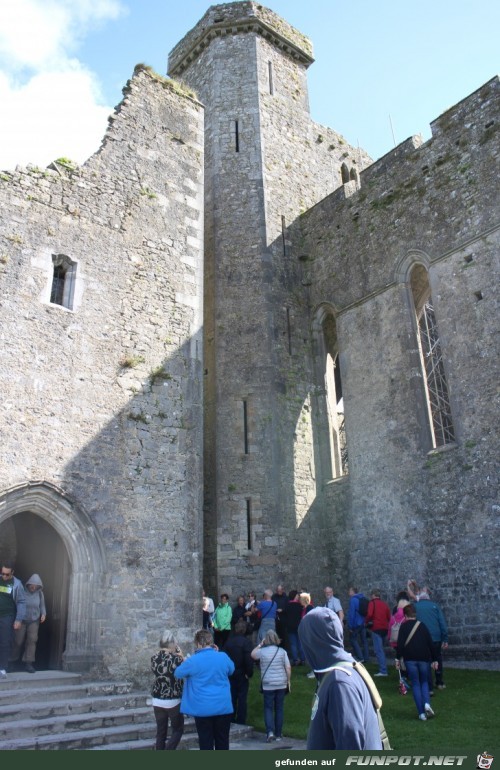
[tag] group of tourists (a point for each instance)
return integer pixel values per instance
(283, 630)
(22, 609)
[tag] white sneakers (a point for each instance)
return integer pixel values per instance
(422, 717)
(428, 711)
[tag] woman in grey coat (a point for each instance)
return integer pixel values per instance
(36, 613)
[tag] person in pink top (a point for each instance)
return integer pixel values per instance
(395, 622)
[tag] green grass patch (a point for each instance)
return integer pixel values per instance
(466, 711)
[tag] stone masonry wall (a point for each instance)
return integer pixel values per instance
(104, 401)
(432, 515)
(279, 164)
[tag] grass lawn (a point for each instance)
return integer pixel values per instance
(467, 711)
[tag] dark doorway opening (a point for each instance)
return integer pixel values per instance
(35, 546)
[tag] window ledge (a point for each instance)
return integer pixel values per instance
(440, 449)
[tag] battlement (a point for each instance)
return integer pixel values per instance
(233, 19)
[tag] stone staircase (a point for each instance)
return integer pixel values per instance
(56, 710)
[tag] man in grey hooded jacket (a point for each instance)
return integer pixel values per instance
(28, 630)
(343, 716)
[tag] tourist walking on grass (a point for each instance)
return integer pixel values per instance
(356, 625)
(275, 682)
(430, 613)
(167, 692)
(415, 649)
(207, 693)
(377, 621)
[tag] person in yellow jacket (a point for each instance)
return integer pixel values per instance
(222, 621)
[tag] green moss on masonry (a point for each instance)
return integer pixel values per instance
(159, 374)
(174, 85)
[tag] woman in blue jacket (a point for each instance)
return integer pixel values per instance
(207, 692)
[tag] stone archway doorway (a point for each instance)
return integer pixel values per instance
(35, 546)
(43, 530)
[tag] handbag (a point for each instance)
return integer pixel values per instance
(261, 689)
(402, 687)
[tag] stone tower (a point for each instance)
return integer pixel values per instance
(266, 161)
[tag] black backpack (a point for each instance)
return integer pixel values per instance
(363, 606)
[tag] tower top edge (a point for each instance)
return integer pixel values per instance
(239, 18)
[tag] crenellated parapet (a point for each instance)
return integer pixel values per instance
(236, 18)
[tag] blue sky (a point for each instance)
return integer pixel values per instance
(381, 67)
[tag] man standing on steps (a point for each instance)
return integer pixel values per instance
(12, 612)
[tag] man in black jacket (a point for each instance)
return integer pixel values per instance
(239, 647)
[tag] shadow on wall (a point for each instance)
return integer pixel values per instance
(117, 538)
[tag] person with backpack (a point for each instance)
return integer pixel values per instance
(343, 715)
(397, 618)
(377, 621)
(358, 607)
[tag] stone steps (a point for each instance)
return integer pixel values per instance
(57, 711)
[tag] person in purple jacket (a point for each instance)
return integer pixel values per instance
(343, 715)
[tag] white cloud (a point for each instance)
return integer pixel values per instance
(51, 103)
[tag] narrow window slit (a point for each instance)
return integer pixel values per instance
(249, 523)
(236, 136)
(271, 84)
(245, 426)
(289, 331)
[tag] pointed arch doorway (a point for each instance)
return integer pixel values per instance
(36, 547)
(44, 531)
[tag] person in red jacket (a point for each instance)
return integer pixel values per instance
(377, 621)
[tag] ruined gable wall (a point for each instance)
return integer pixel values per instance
(436, 204)
(104, 401)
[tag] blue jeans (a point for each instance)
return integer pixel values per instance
(295, 646)
(378, 647)
(358, 639)
(266, 625)
(418, 672)
(274, 702)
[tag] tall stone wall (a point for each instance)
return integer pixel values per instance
(266, 162)
(414, 511)
(102, 403)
